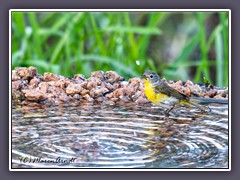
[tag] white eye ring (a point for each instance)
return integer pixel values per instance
(151, 76)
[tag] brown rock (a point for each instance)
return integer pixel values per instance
(43, 86)
(109, 95)
(47, 76)
(62, 83)
(141, 100)
(113, 77)
(177, 87)
(15, 75)
(84, 84)
(112, 87)
(34, 94)
(76, 96)
(80, 77)
(137, 95)
(109, 86)
(100, 99)
(99, 91)
(64, 97)
(54, 92)
(223, 93)
(73, 89)
(124, 99)
(179, 83)
(196, 89)
(84, 92)
(135, 80)
(88, 98)
(141, 87)
(98, 74)
(187, 91)
(130, 90)
(17, 95)
(118, 93)
(26, 73)
(17, 84)
(115, 99)
(189, 83)
(34, 83)
(211, 93)
(92, 83)
(164, 80)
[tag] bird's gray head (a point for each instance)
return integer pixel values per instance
(151, 76)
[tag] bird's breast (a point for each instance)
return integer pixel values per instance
(152, 96)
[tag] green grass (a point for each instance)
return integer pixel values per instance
(68, 43)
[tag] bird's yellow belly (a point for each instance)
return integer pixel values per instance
(152, 96)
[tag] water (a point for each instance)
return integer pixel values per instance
(110, 136)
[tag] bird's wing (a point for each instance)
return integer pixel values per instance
(170, 91)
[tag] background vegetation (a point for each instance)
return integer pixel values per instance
(177, 45)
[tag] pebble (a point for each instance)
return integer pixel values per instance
(26, 73)
(109, 87)
(73, 89)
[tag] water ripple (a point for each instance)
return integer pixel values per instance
(119, 137)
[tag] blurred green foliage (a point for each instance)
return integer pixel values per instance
(177, 45)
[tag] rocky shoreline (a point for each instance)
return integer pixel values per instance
(30, 87)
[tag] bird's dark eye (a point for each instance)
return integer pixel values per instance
(151, 76)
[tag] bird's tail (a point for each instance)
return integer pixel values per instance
(198, 102)
(208, 100)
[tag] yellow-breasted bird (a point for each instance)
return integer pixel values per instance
(160, 93)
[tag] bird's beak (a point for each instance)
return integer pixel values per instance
(143, 76)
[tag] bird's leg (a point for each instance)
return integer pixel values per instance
(166, 112)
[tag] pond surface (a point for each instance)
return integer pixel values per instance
(110, 136)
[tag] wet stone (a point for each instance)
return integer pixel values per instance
(15, 76)
(109, 95)
(88, 98)
(196, 89)
(92, 82)
(76, 96)
(113, 77)
(34, 82)
(50, 77)
(17, 84)
(118, 92)
(142, 100)
(189, 83)
(17, 95)
(26, 73)
(43, 86)
(112, 87)
(64, 97)
(107, 87)
(187, 91)
(211, 93)
(84, 92)
(74, 89)
(98, 74)
(62, 83)
(80, 77)
(34, 94)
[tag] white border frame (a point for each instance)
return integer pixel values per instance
(115, 10)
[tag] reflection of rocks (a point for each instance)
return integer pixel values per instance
(109, 87)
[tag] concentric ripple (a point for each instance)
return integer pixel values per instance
(130, 136)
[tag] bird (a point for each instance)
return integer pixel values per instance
(162, 94)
